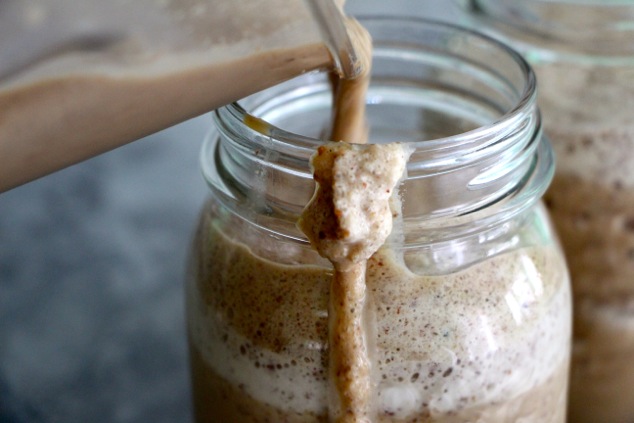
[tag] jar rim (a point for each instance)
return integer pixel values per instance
(524, 104)
(505, 162)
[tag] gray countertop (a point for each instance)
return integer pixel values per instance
(91, 270)
(92, 260)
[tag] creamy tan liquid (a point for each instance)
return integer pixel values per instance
(259, 334)
(587, 115)
(194, 56)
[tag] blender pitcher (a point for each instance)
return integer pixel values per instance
(80, 78)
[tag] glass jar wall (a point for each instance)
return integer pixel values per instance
(469, 298)
(583, 55)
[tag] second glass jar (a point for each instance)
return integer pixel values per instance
(583, 55)
(469, 301)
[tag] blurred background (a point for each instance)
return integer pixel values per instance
(92, 261)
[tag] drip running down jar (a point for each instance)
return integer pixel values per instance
(583, 55)
(469, 302)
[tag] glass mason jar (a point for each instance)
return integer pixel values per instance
(469, 298)
(583, 55)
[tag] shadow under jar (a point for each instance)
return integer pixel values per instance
(583, 55)
(469, 301)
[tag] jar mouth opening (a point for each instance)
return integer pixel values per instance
(524, 102)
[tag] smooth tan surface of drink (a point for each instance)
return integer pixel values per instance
(448, 348)
(591, 201)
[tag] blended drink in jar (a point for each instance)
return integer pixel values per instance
(588, 117)
(371, 334)
(259, 333)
